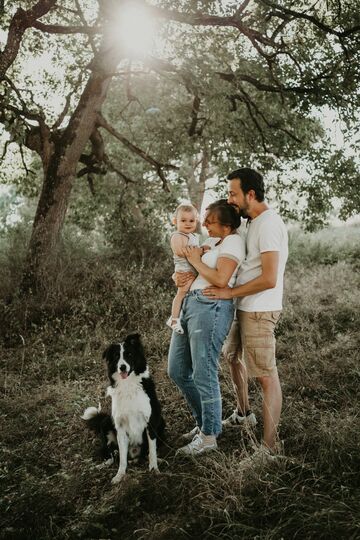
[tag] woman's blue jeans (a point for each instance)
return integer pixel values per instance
(194, 356)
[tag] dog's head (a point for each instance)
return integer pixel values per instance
(125, 358)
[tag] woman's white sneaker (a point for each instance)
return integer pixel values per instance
(199, 445)
(191, 434)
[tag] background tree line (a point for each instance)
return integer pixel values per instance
(223, 83)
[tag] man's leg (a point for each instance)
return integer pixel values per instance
(232, 351)
(272, 403)
(240, 383)
(257, 334)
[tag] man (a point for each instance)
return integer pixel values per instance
(258, 293)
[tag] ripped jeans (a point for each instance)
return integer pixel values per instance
(194, 356)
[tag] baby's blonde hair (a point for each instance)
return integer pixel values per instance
(183, 207)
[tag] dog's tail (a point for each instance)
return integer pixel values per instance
(95, 419)
(90, 412)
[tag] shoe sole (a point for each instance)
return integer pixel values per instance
(243, 424)
(191, 454)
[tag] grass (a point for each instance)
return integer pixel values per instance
(52, 369)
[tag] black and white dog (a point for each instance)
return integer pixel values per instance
(136, 418)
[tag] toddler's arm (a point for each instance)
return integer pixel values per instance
(178, 242)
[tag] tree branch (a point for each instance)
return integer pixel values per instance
(194, 114)
(6, 146)
(21, 21)
(65, 110)
(101, 122)
(117, 171)
(245, 97)
(60, 29)
(240, 10)
(256, 123)
(283, 11)
(84, 22)
(23, 159)
(234, 77)
(203, 19)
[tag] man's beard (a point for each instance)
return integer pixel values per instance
(243, 213)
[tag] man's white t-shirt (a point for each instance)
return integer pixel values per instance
(232, 247)
(266, 232)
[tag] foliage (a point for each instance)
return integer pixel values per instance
(239, 84)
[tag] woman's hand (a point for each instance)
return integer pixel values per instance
(193, 254)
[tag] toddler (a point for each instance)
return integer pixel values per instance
(185, 219)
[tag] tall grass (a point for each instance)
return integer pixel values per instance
(52, 370)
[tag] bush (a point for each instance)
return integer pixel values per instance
(325, 247)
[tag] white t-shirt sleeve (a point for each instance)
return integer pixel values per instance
(271, 236)
(233, 247)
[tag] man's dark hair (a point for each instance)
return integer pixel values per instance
(249, 179)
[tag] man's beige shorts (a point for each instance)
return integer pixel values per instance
(251, 340)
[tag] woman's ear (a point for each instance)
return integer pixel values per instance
(173, 221)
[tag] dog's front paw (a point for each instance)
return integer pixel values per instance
(154, 469)
(117, 478)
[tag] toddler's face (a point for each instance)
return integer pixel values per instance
(186, 222)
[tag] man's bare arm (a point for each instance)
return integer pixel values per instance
(267, 280)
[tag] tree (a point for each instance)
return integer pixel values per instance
(271, 64)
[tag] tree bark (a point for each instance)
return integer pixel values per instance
(59, 174)
(196, 182)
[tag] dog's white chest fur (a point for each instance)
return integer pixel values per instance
(130, 407)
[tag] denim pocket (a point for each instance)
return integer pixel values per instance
(202, 299)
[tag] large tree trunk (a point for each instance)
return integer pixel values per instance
(59, 174)
(195, 180)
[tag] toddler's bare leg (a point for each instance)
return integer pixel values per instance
(177, 303)
(174, 320)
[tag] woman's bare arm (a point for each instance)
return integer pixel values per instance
(219, 276)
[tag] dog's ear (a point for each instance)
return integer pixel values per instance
(132, 339)
(104, 354)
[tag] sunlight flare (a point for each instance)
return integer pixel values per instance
(133, 29)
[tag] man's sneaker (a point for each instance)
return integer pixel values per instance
(191, 434)
(261, 456)
(235, 419)
(197, 446)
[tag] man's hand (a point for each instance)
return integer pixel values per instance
(216, 293)
(182, 278)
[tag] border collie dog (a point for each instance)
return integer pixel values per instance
(136, 421)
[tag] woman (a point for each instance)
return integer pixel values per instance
(194, 355)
